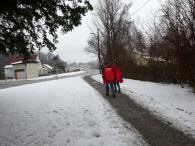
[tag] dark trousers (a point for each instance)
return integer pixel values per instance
(111, 85)
(117, 85)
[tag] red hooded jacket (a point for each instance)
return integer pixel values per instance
(117, 73)
(108, 74)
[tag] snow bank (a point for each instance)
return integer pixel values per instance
(46, 77)
(169, 102)
(59, 75)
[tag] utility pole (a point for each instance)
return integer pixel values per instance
(55, 59)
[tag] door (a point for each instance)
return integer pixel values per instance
(20, 74)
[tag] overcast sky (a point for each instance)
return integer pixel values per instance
(71, 45)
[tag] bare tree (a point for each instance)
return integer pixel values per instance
(112, 14)
(178, 20)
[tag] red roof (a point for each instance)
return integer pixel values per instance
(16, 58)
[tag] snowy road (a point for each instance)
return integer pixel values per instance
(64, 112)
(11, 83)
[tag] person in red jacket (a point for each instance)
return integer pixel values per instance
(118, 77)
(108, 78)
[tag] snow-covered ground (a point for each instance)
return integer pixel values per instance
(47, 77)
(169, 102)
(64, 112)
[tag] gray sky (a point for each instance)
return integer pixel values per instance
(71, 45)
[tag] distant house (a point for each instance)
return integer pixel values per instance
(46, 69)
(141, 59)
(18, 69)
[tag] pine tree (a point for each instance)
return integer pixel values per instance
(29, 24)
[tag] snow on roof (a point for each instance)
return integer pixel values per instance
(18, 62)
(8, 66)
(48, 66)
(12, 59)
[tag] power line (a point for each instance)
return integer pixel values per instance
(141, 7)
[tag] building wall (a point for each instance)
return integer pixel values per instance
(32, 70)
(40, 71)
(28, 71)
(9, 73)
(19, 71)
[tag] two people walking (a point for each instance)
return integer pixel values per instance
(112, 77)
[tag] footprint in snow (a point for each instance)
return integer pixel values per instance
(180, 109)
(86, 110)
(96, 134)
(51, 134)
(55, 111)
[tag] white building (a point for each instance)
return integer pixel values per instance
(8, 70)
(46, 69)
(27, 70)
(17, 69)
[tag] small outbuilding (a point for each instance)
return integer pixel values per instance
(26, 70)
(18, 69)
